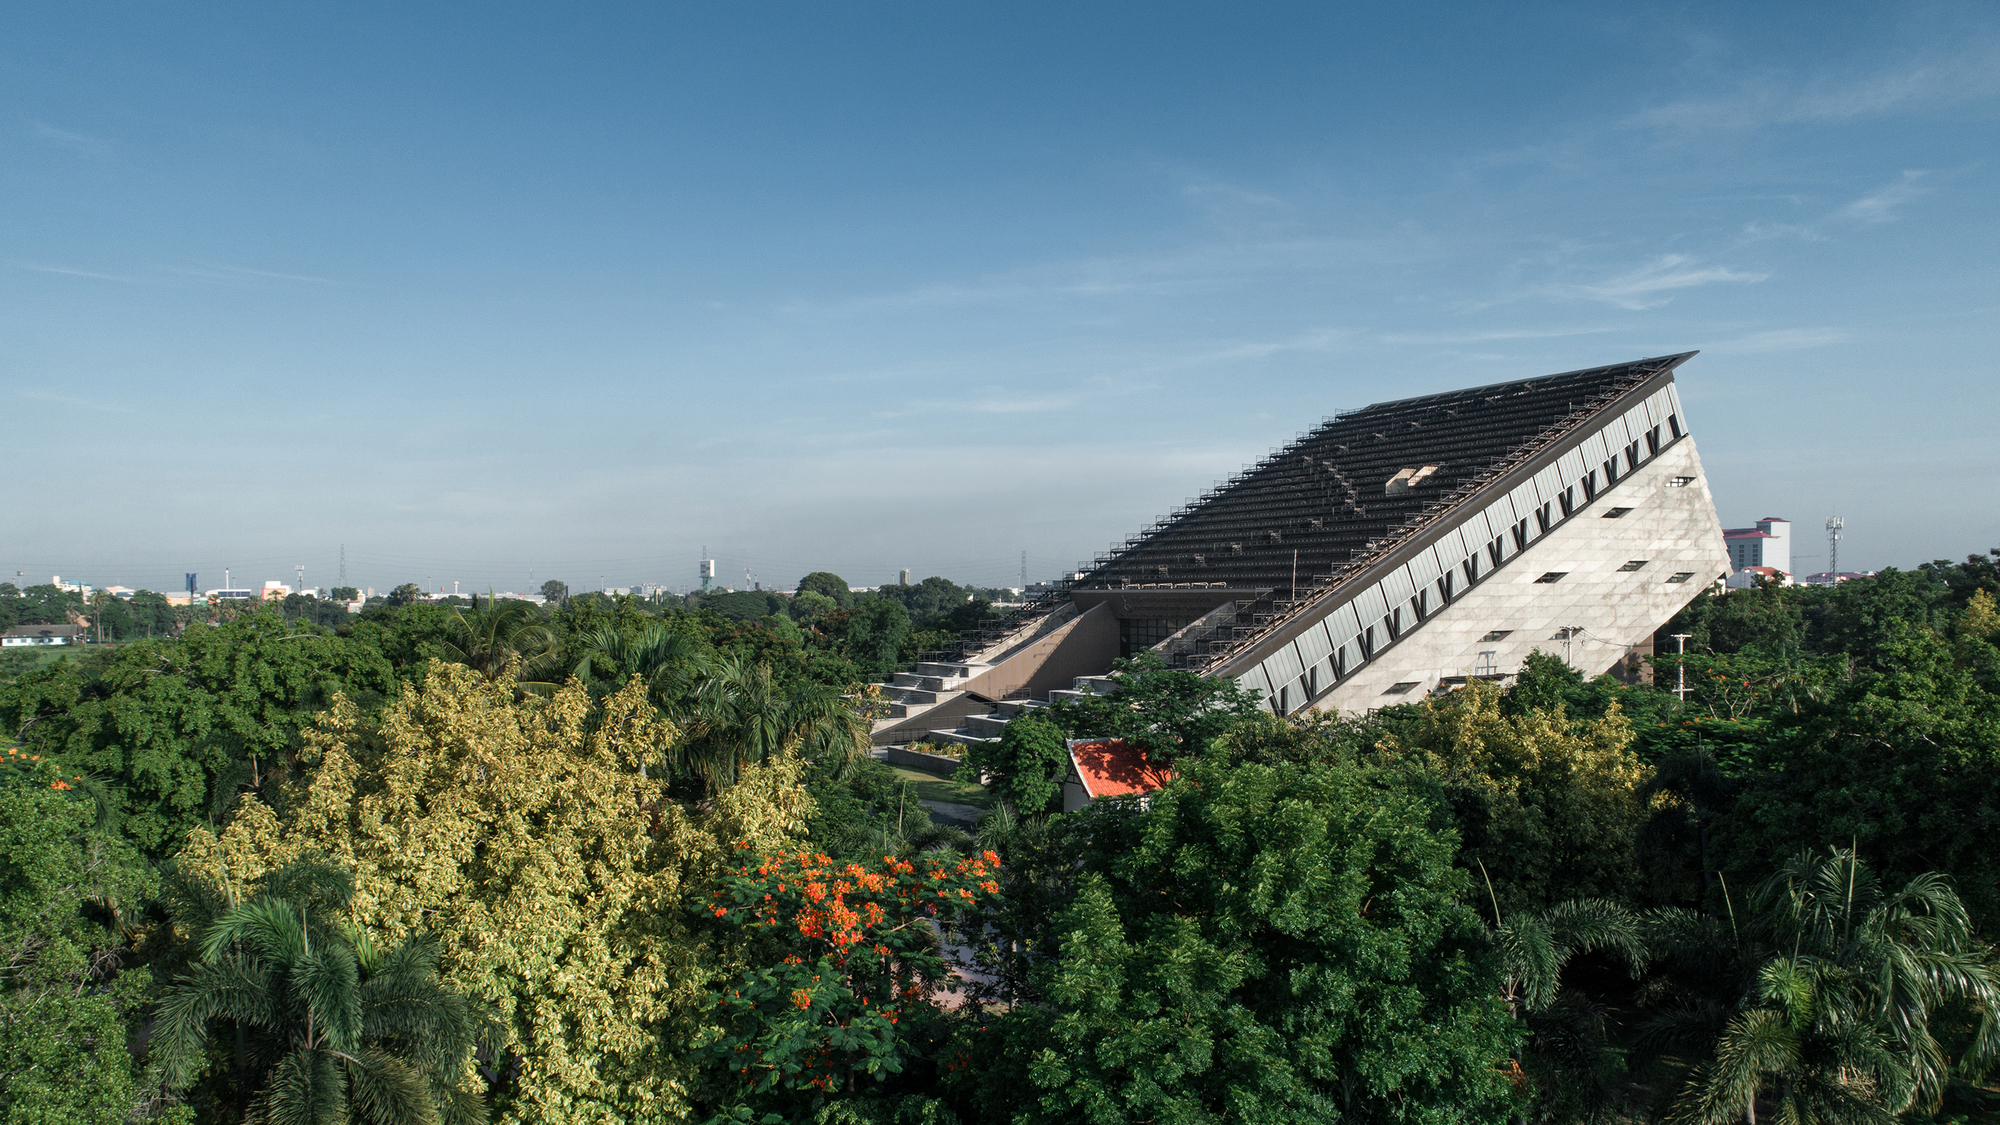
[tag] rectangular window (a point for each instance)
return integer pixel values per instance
(1497, 635)
(1553, 576)
(1683, 576)
(1653, 441)
(1403, 688)
(1680, 482)
(1674, 424)
(1615, 513)
(1635, 564)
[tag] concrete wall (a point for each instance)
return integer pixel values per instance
(1674, 529)
(1085, 646)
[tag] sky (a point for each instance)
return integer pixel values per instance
(493, 294)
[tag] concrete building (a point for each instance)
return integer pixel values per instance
(1392, 552)
(34, 636)
(1769, 543)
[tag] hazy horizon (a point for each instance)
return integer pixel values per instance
(490, 292)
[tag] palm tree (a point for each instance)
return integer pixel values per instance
(1569, 1049)
(325, 1027)
(740, 714)
(489, 638)
(1841, 980)
(666, 659)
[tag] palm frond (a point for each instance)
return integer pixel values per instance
(233, 988)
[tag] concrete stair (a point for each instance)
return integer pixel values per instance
(988, 727)
(928, 684)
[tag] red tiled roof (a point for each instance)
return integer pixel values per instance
(1746, 533)
(1110, 768)
(1774, 519)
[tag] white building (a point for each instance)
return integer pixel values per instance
(1767, 544)
(25, 636)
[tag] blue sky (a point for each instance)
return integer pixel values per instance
(484, 291)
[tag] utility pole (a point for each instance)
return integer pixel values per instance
(1024, 570)
(343, 564)
(1680, 667)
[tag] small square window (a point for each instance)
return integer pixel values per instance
(1497, 635)
(1680, 482)
(1615, 513)
(1403, 688)
(1553, 576)
(1683, 576)
(1635, 564)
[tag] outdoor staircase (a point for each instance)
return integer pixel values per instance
(930, 683)
(987, 727)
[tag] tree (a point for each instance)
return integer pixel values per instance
(409, 593)
(1165, 712)
(344, 594)
(745, 605)
(65, 889)
(554, 591)
(1550, 805)
(316, 1023)
(1838, 1021)
(1025, 765)
(555, 875)
(1262, 943)
(827, 585)
(741, 715)
(180, 729)
(666, 659)
(496, 636)
(1901, 760)
(844, 993)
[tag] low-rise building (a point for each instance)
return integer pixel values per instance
(27, 636)
(1108, 767)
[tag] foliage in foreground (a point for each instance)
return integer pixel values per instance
(555, 873)
(295, 1018)
(1262, 944)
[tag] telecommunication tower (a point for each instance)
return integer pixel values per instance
(343, 564)
(1833, 526)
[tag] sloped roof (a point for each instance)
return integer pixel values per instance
(1323, 500)
(1746, 533)
(45, 631)
(1110, 767)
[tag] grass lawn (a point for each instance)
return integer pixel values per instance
(931, 787)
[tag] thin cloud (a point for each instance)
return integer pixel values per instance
(1971, 74)
(1432, 339)
(1879, 206)
(1779, 340)
(76, 142)
(72, 401)
(67, 271)
(1650, 286)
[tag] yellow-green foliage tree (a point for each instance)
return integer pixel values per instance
(1549, 804)
(527, 836)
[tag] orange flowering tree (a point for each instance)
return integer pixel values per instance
(846, 958)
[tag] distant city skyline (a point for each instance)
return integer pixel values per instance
(489, 294)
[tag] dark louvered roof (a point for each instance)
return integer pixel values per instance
(1324, 496)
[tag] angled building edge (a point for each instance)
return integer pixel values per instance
(1394, 551)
